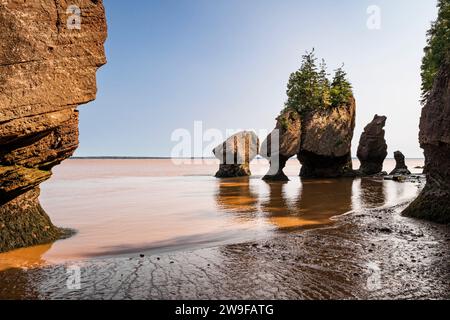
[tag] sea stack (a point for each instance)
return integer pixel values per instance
(326, 141)
(433, 202)
(281, 144)
(400, 166)
(372, 149)
(236, 153)
(48, 64)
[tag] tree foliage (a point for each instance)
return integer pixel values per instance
(309, 87)
(437, 49)
(341, 89)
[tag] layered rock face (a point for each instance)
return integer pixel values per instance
(281, 144)
(372, 149)
(47, 69)
(236, 153)
(434, 201)
(400, 166)
(326, 142)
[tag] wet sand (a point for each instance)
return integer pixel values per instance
(295, 244)
(375, 254)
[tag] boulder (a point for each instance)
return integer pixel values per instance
(400, 166)
(236, 153)
(326, 141)
(47, 69)
(433, 203)
(372, 149)
(281, 144)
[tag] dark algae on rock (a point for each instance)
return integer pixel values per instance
(46, 71)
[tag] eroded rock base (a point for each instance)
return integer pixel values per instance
(315, 166)
(433, 206)
(275, 172)
(24, 223)
(233, 170)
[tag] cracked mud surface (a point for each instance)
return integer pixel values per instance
(375, 254)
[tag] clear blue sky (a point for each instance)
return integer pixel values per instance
(226, 63)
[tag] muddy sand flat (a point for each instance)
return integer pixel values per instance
(374, 254)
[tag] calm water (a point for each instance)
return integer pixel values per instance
(132, 206)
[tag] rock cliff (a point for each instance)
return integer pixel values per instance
(326, 141)
(434, 201)
(47, 68)
(372, 149)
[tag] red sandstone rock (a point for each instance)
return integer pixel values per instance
(46, 71)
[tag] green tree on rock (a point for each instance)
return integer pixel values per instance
(437, 49)
(303, 88)
(309, 87)
(324, 85)
(341, 89)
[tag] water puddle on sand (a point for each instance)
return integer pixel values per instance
(129, 206)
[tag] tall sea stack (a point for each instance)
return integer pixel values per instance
(50, 51)
(326, 141)
(372, 149)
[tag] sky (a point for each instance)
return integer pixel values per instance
(226, 63)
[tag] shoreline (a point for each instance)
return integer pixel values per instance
(391, 257)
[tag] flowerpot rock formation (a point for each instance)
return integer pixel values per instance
(47, 69)
(236, 153)
(372, 149)
(281, 144)
(433, 202)
(326, 142)
(400, 166)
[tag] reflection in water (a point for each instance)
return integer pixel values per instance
(25, 257)
(322, 199)
(372, 193)
(235, 195)
(133, 205)
(277, 199)
(283, 207)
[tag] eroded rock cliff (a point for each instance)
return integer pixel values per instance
(433, 202)
(47, 69)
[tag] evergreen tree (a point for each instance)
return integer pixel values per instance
(341, 89)
(309, 87)
(437, 49)
(324, 85)
(303, 87)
